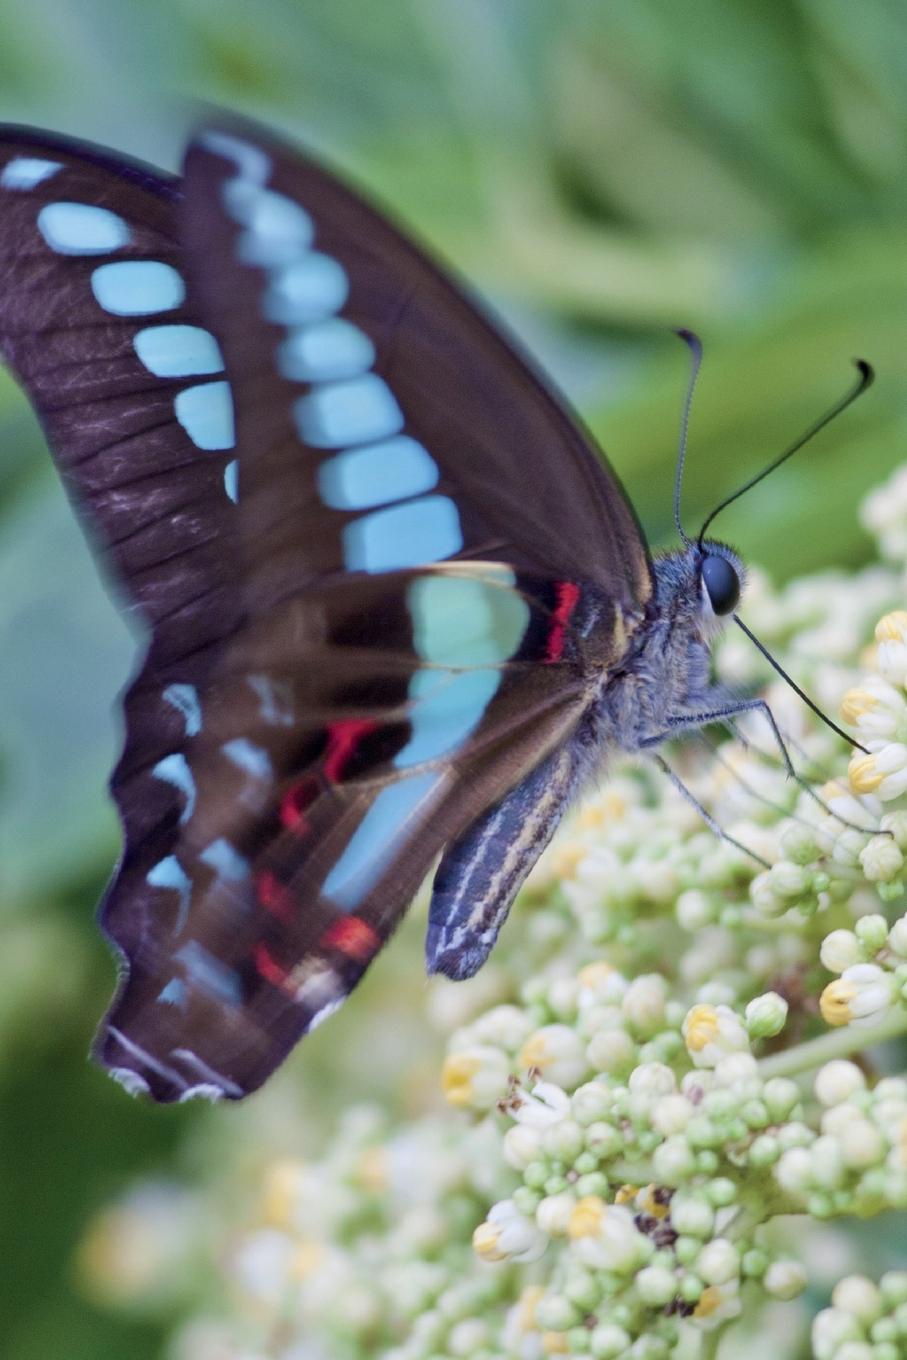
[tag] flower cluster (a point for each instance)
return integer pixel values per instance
(671, 1055)
(865, 1322)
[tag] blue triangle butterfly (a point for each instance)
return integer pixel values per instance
(398, 603)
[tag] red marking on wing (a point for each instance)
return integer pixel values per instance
(352, 936)
(343, 738)
(268, 967)
(568, 594)
(275, 896)
(297, 798)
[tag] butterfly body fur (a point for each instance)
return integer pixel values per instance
(396, 600)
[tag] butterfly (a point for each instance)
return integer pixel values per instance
(398, 604)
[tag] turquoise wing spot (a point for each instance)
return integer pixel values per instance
(391, 470)
(325, 351)
(178, 351)
(277, 231)
(137, 287)
(184, 698)
(310, 289)
(210, 974)
(206, 414)
(375, 839)
(251, 161)
(231, 480)
(82, 229)
(174, 994)
(175, 770)
(410, 534)
(225, 860)
(248, 757)
(467, 621)
(27, 172)
(357, 411)
(447, 707)
(169, 874)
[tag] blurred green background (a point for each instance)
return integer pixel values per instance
(602, 173)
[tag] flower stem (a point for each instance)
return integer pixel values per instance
(838, 1043)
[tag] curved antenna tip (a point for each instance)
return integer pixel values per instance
(689, 338)
(867, 373)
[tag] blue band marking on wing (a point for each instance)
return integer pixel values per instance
(174, 769)
(447, 706)
(210, 973)
(467, 620)
(408, 534)
(357, 411)
(174, 994)
(184, 698)
(206, 414)
(169, 873)
(276, 698)
(137, 287)
(325, 351)
(82, 229)
(27, 172)
(178, 351)
(250, 161)
(373, 842)
(277, 229)
(249, 757)
(309, 289)
(231, 480)
(391, 470)
(225, 860)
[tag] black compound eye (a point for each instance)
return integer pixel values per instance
(722, 583)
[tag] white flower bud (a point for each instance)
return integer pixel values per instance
(839, 950)
(504, 1027)
(837, 1080)
(793, 1171)
(831, 1329)
(608, 1341)
(507, 1235)
(788, 880)
(591, 1102)
(826, 1163)
(611, 1051)
(710, 1032)
(564, 1140)
(785, 1279)
(857, 1295)
(674, 1161)
(695, 909)
(718, 1262)
(860, 996)
(475, 1077)
(881, 860)
(897, 937)
(643, 1004)
(862, 1145)
(605, 1236)
(652, 1079)
(656, 1285)
(522, 1145)
(557, 1052)
(553, 1213)
(691, 1214)
(671, 1114)
(766, 1015)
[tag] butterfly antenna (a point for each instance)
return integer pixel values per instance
(695, 346)
(867, 375)
(776, 665)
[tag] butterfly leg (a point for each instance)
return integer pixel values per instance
(481, 872)
(704, 813)
(735, 708)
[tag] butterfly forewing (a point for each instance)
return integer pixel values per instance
(419, 573)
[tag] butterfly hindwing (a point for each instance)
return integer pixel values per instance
(414, 573)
